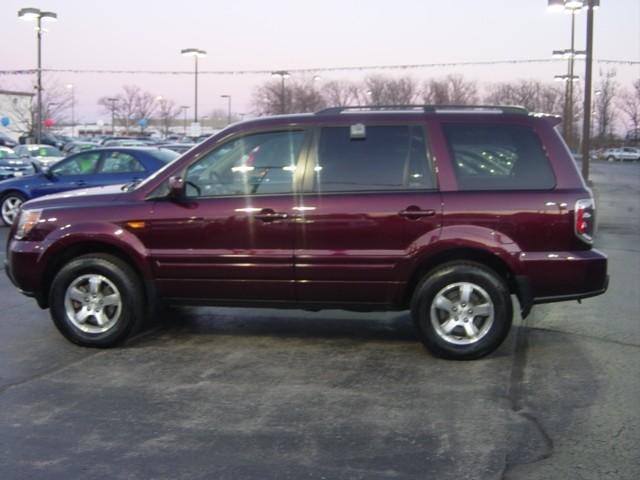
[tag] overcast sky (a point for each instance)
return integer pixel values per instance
(286, 34)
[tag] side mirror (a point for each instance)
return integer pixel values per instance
(176, 187)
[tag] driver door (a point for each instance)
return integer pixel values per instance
(231, 238)
(71, 173)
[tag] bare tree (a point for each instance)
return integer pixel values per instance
(133, 104)
(167, 113)
(630, 105)
(341, 93)
(605, 105)
(534, 95)
(305, 97)
(56, 101)
(297, 97)
(145, 106)
(111, 107)
(450, 90)
(268, 98)
(382, 90)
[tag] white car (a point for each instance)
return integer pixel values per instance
(622, 154)
(42, 155)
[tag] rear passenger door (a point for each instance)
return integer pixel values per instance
(370, 200)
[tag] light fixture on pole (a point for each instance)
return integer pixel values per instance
(572, 7)
(113, 101)
(228, 97)
(195, 53)
(73, 107)
(283, 74)
(37, 15)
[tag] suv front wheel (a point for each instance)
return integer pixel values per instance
(96, 301)
(462, 310)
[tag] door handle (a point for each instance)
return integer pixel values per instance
(413, 212)
(80, 183)
(269, 215)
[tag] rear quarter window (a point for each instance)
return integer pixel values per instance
(498, 157)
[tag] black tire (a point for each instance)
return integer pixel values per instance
(16, 196)
(127, 283)
(446, 276)
(611, 158)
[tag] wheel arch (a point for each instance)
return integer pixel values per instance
(470, 254)
(77, 249)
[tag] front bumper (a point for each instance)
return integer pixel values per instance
(22, 267)
(7, 269)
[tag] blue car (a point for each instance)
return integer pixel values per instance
(93, 168)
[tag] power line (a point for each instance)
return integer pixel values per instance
(308, 70)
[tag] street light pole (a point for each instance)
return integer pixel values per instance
(194, 52)
(73, 106)
(573, 7)
(586, 124)
(184, 110)
(228, 97)
(39, 124)
(113, 102)
(38, 15)
(283, 74)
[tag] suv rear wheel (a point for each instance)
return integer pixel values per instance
(96, 301)
(462, 310)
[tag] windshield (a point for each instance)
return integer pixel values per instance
(7, 154)
(45, 152)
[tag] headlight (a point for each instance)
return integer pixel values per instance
(27, 220)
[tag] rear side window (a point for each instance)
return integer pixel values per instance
(120, 162)
(498, 157)
(380, 158)
(83, 164)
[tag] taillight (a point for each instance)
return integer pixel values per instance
(585, 217)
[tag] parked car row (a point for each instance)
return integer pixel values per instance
(92, 168)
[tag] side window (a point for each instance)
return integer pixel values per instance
(498, 157)
(259, 163)
(119, 162)
(79, 165)
(377, 158)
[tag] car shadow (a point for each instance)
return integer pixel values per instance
(329, 324)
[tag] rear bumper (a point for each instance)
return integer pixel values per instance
(560, 276)
(576, 296)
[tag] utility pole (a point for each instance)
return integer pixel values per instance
(586, 125)
(113, 102)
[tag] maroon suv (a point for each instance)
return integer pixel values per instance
(446, 211)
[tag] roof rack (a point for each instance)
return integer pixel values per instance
(425, 109)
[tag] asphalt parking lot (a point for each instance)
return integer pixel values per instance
(237, 394)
